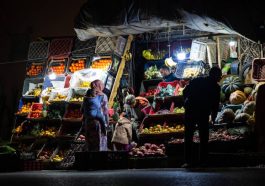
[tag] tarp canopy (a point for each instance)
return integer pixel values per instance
(134, 17)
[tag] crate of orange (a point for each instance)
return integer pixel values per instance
(73, 113)
(77, 64)
(58, 66)
(35, 68)
(103, 63)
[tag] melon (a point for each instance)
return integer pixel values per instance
(248, 90)
(249, 107)
(226, 116)
(242, 117)
(231, 84)
(237, 97)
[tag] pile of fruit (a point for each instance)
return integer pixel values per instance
(57, 158)
(85, 84)
(58, 69)
(54, 114)
(25, 109)
(150, 92)
(158, 129)
(34, 92)
(51, 132)
(101, 64)
(45, 155)
(18, 129)
(151, 55)
(176, 141)
(77, 65)
(35, 70)
(59, 97)
(74, 113)
(35, 113)
(81, 138)
(178, 110)
(152, 73)
(147, 150)
(77, 98)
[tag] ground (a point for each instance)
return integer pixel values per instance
(146, 177)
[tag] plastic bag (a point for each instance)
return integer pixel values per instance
(103, 146)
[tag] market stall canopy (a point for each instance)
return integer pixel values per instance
(135, 20)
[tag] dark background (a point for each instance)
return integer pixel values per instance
(25, 21)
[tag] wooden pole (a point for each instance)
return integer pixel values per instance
(117, 80)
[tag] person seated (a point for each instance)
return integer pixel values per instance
(167, 75)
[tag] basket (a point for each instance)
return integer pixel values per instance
(84, 48)
(196, 66)
(60, 47)
(105, 45)
(258, 69)
(38, 50)
(36, 68)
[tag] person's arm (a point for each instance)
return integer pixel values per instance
(105, 109)
(129, 132)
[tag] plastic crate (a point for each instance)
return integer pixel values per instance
(75, 108)
(198, 66)
(60, 47)
(31, 82)
(36, 108)
(59, 65)
(76, 64)
(258, 69)
(38, 50)
(36, 68)
(84, 48)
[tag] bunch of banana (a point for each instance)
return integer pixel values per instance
(57, 158)
(37, 92)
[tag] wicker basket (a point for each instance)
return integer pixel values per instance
(38, 50)
(105, 45)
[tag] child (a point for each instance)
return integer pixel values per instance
(91, 108)
(122, 135)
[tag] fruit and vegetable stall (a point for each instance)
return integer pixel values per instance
(48, 124)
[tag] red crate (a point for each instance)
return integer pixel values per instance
(61, 47)
(258, 69)
(30, 165)
(36, 108)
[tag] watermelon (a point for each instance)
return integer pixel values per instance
(231, 84)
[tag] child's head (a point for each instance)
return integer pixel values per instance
(123, 115)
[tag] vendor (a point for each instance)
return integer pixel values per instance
(167, 75)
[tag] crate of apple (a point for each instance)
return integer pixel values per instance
(147, 150)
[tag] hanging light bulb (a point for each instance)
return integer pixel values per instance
(232, 43)
(52, 76)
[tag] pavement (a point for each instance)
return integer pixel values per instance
(168, 177)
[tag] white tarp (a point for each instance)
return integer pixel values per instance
(137, 26)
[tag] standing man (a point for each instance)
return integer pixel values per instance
(201, 97)
(167, 75)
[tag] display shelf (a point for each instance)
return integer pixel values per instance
(152, 82)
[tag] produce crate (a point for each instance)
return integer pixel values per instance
(31, 83)
(58, 65)
(76, 64)
(38, 50)
(46, 152)
(73, 113)
(36, 68)
(69, 130)
(76, 95)
(103, 63)
(60, 47)
(36, 112)
(196, 66)
(84, 48)
(101, 160)
(258, 69)
(56, 111)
